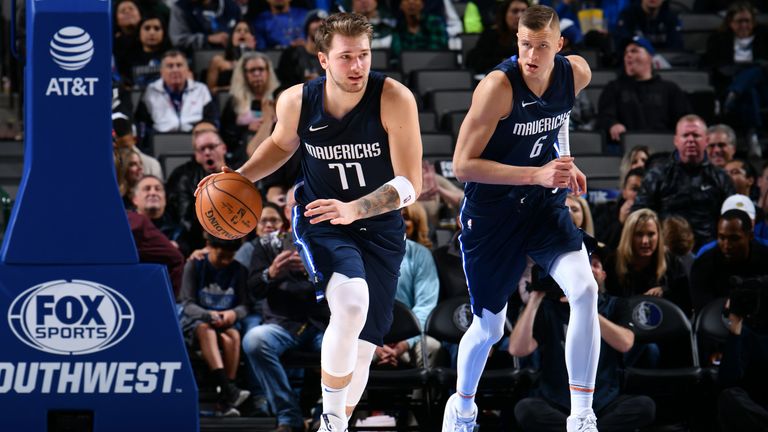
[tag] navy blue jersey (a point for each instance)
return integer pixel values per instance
(343, 159)
(528, 136)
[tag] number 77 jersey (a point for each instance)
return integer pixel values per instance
(347, 158)
(528, 136)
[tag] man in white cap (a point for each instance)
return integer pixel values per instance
(736, 202)
(737, 253)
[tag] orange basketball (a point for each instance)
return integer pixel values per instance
(228, 206)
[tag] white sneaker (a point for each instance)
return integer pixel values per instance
(585, 421)
(451, 420)
(331, 423)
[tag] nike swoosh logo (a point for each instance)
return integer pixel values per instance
(529, 103)
(312, 128)
(706, 187)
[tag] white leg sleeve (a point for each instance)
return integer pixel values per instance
(582, 342)
(473, 353)
(365, 351)
(348, 301)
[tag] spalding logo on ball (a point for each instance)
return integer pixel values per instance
(228, 206)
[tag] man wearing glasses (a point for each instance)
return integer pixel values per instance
(209, 155)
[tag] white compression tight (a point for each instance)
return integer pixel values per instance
(365, 351)
(582, 342)
(473, 353)
(348, 302)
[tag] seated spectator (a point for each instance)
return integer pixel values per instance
(141, 63)
(580, 214)
(634, 158)
(742, 175)
(640, 100)
(613, 214)
(293, 319)
(273, 219)
(736, 254)
(130, 173)
(743, 404)
(202, 24)
(418, 30)
(382, 20)
(253, 84)
(418, 288)
(480, 15)
(499, 42)
(653, 20)
(148, 198)
(182, 182)
(240, 41)
(743, 203)
(641, 265)
(736, 54)
(762, 185)
(214, 298)
(541, 326)
(125, 26)
(280, 26)
(721, 145)
(190, 101)
(438, 194)
(687, 185)
(124, 138)
(678, 239)
(299, 63)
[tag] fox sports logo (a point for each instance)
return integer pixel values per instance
(71, 48)
(70, 317)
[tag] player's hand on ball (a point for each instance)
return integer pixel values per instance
(224, 169)
(555, 174)
(339, 213)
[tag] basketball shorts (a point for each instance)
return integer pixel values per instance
(496, 237)
(371, 249)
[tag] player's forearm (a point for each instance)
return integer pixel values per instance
(492, 172)
(382, 200)
(267, 158)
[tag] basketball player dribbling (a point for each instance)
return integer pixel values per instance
(360, 144)
(507, 152)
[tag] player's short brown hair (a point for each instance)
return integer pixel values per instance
(539, 17)
(345, 24)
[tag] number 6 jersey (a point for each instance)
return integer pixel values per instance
(528, 136)
(342, 159)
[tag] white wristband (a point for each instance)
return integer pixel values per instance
(404, 189)
(563, 138)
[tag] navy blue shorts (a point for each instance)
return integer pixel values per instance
(497, 236)
(371, 249)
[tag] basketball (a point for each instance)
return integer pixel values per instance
(228, 206)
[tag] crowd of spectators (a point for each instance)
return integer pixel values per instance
(684, 220)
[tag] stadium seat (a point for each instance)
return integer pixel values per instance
(437, 145)
(674, 384)
(170, 162)
(700, 22)
(274, 56)
(586, 143)
(601, 77)
(201, 60)
(599, 166)
(453, 121)
(416, 60)
(468, 42)
(173, 144)
(425, 81)
(427, 122)
(656, 141)
(221, 99)
(593, 94)
(380, 60)
(710, 329)
(688, 79)
(445, 101)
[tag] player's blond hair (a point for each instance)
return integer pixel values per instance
(539, 17)
(344, 24)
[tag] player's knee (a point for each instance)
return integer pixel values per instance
(348, 301)
(583, 291)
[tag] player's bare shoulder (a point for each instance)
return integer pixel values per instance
(493, 95)
(582, 74)
(290, 99)
(397, 103)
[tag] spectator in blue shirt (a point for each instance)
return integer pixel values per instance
(279, 27)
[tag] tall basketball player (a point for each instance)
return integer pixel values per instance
(507, 152)
(360, 144)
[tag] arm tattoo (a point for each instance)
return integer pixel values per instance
(382, 200)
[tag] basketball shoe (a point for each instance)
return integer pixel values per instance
(585, 421)
(331, 423)
(452, 422)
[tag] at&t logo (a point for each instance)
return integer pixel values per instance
(72, 49)
(70, 318)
